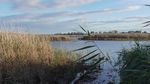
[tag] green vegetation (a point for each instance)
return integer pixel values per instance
(134, 65)
(30, 59)
(118, 36)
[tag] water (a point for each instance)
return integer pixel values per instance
(110, 48)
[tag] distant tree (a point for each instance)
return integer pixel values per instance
(144, 32)
(92, 32)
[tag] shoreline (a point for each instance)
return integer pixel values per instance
(111, 40)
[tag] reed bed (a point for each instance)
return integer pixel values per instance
(55, 37)
(118, 36)
(134, 65)
(30, 59)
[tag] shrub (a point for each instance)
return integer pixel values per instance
(134, 65)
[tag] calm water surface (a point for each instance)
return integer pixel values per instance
(110, 48)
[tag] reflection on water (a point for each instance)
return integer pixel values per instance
(110, 48)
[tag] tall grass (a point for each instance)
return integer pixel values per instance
(29, 59)
(55, 37)
(134, 65)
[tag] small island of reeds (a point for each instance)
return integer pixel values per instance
(117, 36)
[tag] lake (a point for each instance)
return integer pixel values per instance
(110, 48)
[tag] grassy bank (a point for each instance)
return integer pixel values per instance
(47, 37)
(118, 36)
(29, 59)
(135, 65)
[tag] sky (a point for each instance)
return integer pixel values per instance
(60, 16)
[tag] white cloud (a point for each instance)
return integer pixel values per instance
(136, 2)
(70, 3)
(34, 4)
(127, 9)
(57, 17)
(132, 8)
(107, 10)
(50, 20)
(26, 4)
(138, 18)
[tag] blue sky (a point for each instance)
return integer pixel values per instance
(53, 16)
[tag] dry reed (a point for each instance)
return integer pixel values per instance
(30, 59)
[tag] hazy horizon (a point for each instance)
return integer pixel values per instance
(59, 16)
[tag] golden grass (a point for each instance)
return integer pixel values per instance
(30, 59)
(55, 37)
